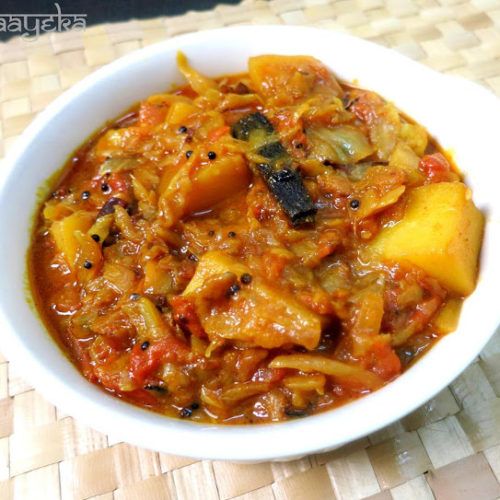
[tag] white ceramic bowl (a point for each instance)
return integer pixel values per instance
(461, 115)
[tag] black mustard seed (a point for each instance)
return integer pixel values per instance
(246, 278)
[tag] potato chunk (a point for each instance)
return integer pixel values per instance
(64, 234)
(440, 232)
(216, 181)
(286, 79)
(257, 314)
(179, 112)
(210, 184)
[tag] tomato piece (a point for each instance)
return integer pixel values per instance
(144, 363)
(151, 114)
(185, 315)
(317, 301)
(384, 361)
(81, 355)
(275, 265)
(217, 133)
(424, 312)
(186, 91)
(435, 167)
(363, 109)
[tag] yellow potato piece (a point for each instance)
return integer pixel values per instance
(440, 232)
(179, 112)
(63, 232)
(447, 319)
(285, 79)
(211, 184)
(216, 181)
(258, 314)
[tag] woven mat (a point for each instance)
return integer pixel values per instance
(448, 449)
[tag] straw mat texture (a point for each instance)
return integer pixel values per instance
(449, 449)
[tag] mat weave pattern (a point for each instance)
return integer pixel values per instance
(449, 449)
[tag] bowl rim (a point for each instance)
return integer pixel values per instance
(253, 442)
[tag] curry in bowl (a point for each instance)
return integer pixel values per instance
(256, 247)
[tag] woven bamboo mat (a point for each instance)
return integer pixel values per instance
(448, 449)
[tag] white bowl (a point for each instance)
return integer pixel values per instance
(461, 115)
